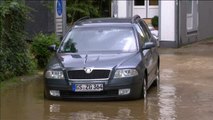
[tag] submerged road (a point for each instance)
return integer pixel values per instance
(185, 93)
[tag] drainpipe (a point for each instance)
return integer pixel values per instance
(159, 22)
(177, 19)
(115, 8)
(129, 8)
(147, 7)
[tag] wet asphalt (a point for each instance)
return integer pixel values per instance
(185, 93)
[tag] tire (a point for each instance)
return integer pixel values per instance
(157, 80)
(144, 88)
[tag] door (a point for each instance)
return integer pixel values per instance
(145, 8)
(149, 55)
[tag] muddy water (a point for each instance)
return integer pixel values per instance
(185, 93)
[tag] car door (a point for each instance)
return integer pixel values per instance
(155, 53)
(150, 61)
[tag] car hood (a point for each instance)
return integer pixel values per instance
(93, 60)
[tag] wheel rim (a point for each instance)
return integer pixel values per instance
(144, 88)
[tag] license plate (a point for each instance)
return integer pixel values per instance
(87, 87)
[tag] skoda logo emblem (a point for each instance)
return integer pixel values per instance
(88, 70)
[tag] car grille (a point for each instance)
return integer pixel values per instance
(95, 74)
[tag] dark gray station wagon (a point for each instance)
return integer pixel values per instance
(105, 58)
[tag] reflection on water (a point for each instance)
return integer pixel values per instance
(85, 115)
(161, 106)
(26, 102)
(93, 110)
(55, 108)
(167, 99)
(123, 113)
(168, 74)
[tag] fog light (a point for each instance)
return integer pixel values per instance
(124, 91)
(55, 93)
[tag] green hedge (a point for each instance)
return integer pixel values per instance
(80, 8)
(14, 52)
(155, 21)
(40, 46)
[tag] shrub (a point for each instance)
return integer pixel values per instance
(155, 21)
(80, 8)
(40, 46)
(14, 54)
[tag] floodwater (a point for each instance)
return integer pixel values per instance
(185, 93)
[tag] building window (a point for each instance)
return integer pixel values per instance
(153, 2)
(189, 6)
(192, 15)
(139, 2)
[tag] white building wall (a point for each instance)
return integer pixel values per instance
(122, 8)
(166, 17)
(167, 20)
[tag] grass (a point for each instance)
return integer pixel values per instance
(16, 81)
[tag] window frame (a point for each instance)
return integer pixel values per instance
(153, 5)
(139, 4)
(192, 19)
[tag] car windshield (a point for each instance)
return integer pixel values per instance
(97, 39)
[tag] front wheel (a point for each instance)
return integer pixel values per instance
(157, 80)
(144, 88)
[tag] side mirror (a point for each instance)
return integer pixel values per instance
(149, 45)
(52, 48)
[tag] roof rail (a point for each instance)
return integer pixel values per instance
(135, 17)
(83, 18)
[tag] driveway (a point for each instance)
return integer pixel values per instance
(185, 93)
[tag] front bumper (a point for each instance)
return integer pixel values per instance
(110, 91)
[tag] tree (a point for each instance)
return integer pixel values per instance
(81, 8)
(14, 54)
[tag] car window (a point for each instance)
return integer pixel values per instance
(145, 30)
(146, 36)
(99, 39)
(141, 34)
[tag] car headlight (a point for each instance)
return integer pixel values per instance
(54, 74)
(125, 73)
